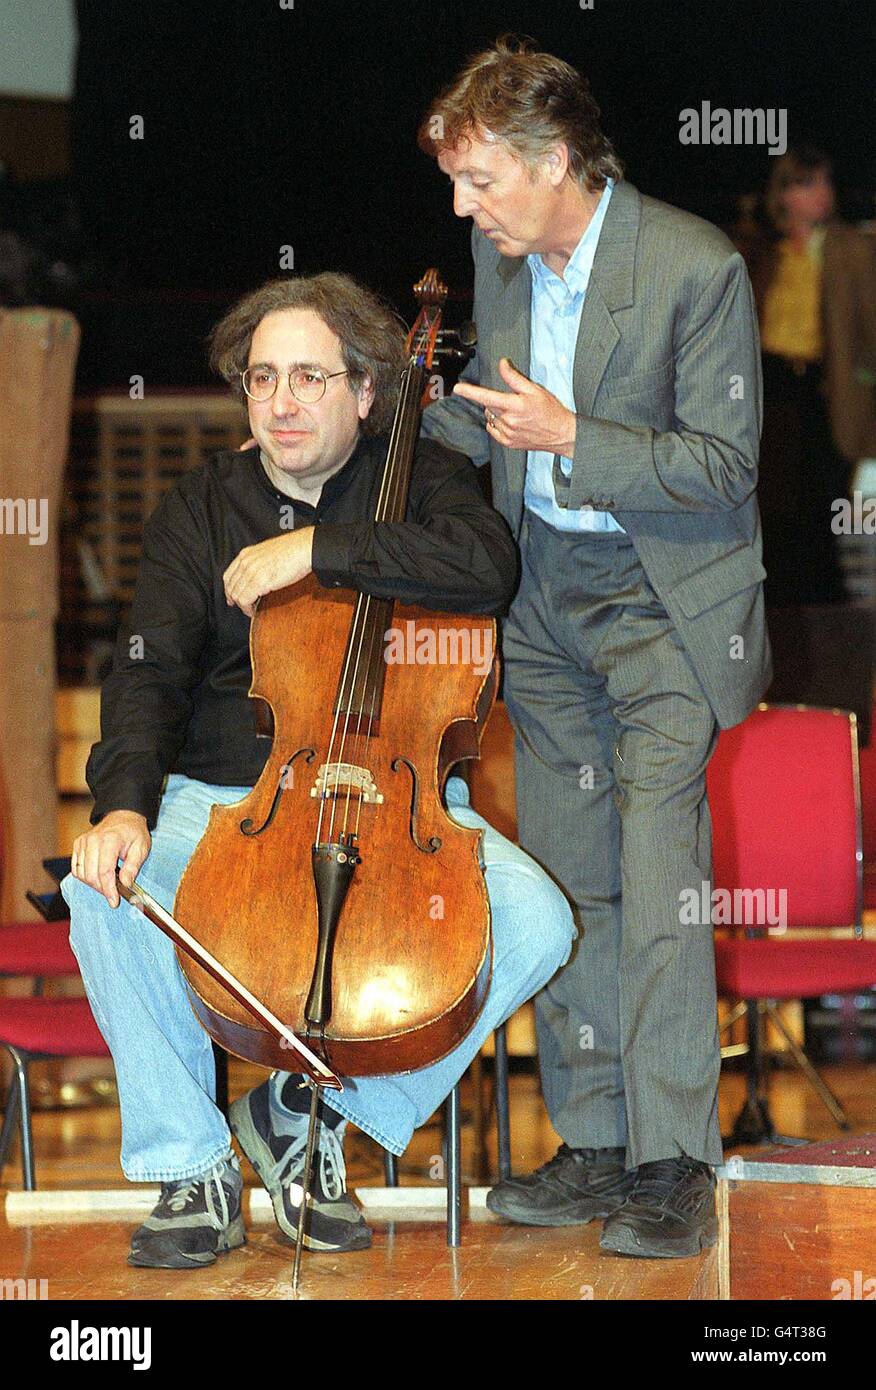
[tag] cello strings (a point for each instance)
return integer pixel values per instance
(355, 702)
(334, 731)
(396, 473)
(385, 507)
(360, 624)
(398, 478)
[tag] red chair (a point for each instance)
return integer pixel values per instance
(36, 949)
(868, 811)
(785, 799)
(34, 1030)
(37, 1028)
(39, 949)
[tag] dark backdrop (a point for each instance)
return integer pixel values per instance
(267, 126)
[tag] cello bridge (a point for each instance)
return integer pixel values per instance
(347, 776)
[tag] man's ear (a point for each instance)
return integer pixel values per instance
(557, 163)
(365, 396)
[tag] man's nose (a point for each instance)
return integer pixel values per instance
(282, 401)
(464, 205)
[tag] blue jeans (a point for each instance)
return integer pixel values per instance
(171, 1127)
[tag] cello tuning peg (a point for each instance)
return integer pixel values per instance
(458, 342)
(467, 333)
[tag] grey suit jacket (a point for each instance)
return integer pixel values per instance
(667, 389)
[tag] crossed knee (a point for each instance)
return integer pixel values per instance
(526, 900)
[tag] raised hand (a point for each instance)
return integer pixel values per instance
(526, 416)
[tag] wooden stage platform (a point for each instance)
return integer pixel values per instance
(409, 1261)
(84, 1256)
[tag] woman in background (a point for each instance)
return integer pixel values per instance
(814, 280)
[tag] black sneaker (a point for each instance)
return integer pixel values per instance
(670, 1211)
(275, 1143)
(195, 1220)
(572, 1188)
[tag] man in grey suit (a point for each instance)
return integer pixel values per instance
(616, 394)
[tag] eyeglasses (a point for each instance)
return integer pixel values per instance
(307, 384)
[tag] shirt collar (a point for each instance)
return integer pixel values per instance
(363, 455)
(577, 272)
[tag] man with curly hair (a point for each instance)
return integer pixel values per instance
(318, 362)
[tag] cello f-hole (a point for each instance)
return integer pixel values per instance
(246, 824)
(434, 842)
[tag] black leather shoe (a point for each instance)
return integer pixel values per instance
(574, 1187)
(669, 1213)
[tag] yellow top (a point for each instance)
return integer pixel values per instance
(792, 308)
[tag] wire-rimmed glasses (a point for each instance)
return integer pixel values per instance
(307, 384)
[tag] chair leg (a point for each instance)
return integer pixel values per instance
(10, 1115)
(390, 1168)
(737, 1012)
(221, 1060)
(817, 1082)
(503, 1115)
(454, 1175)
(754, 1123)
(481, 1163)
(734, 1049)
(21, 1060)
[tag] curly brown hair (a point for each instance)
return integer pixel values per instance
(371, 335)
(529, 99)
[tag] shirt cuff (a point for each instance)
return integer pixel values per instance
(562, 482)
(331, 557)
(127, 797)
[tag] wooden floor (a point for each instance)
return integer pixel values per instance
(409, 1259)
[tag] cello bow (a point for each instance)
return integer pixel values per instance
(299, 1053)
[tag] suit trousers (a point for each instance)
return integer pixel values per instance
(613, 733)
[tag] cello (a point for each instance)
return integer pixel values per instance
(338, 893)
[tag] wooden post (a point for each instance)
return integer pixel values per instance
(38, 350)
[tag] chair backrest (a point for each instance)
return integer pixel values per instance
(784, 794)
(868, 813)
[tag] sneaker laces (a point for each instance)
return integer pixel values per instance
(184, 1192)
(332, 1166)
(180, 1195)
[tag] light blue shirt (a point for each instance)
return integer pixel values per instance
(557, 302)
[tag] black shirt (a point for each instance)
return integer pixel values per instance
(176, 698)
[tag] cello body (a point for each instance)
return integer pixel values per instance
(411, 957)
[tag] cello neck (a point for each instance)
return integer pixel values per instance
(360, 688)
(392, 500)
